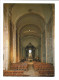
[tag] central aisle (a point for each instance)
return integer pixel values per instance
(31, 71)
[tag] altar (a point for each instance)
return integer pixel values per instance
(30, 59)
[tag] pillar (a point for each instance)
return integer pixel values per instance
(50, 42)
(43, 46)
(53, 32)
(14, 44)
(6, 42)
(36, 55)
(41, 49)
(18, 49)
(46, 42)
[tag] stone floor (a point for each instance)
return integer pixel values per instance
(31, 72)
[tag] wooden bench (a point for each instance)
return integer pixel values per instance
(19, 66)
(39, 65)
(44, 69)
(46, 73)
(12, 73)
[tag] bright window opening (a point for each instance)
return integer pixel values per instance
(30, 51)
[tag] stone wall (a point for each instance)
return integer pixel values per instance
(50, 41)
(6, 40)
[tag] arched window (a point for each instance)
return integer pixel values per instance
(30, 50)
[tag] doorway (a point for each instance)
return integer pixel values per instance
(30, 52)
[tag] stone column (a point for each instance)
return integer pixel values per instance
(21, 49)
(36, 52)
(53, 32)
(24, 52)
(41, 49)
(6, 42)
(46, 42)
(49, 41)
(14, 44)
(18, 48)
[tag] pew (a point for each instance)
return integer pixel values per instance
(12, 73)
(44, 69)
(38, 65)
(46, 73)
(19, 66)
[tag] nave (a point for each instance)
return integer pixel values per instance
(28, 39)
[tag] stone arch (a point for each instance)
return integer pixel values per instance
(31, 18)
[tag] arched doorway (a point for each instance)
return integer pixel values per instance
(30, 52)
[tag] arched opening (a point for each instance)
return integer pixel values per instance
(29, 34)
(30, 52)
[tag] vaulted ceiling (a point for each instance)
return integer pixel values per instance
(30, 20)
(44, 10)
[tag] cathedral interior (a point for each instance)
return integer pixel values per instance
(28, 39)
